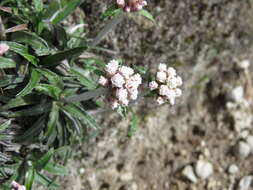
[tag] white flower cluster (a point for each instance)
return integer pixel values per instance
(123, 83)
(131, 5)
(16, 186)
(3, 49)
(166, 84)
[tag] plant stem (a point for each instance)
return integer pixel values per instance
(87, 95)
(110, 25)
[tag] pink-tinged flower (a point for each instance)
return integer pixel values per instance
(133, 94)
(171, 72)
(131, 5)
(178, 92)
(153, 85)
(125, 102)
(16, 186)
(162, 67)
(121, 94)
(103, 81)
(161, 77)
(179, 81)
(3, 49)
(163, 90)
(114, 103)
(126, 71)
(137, 78)
(160, 100)
(172, 82)
(112, 67)
(117, 80)
(121, 3)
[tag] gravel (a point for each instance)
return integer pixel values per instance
(233, 169)
(203, 169)
(245, 183)
(249, 140)
(188, 172)
(243, 150)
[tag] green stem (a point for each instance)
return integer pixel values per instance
(110, 25)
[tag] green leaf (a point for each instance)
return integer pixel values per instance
(38, 5)
(8, 80)
(49, 90)
(51, 9)
(34, 80)
(20, 101)
(40, 178)
(6, 63)
(56, 169)
(79, 73)
(122, 111)
(147, 15)
(66, 11)
(33, 132)
(44, 160)
(37, 43)
(52, 77)
(111, 11)
(29, 179)
(134, 124)
(55, 59)
(5, 125)
(81, 114)
(23, 51)
(53, 118)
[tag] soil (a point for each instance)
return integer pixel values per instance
(205, 40)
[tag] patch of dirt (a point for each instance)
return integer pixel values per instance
(205, 40)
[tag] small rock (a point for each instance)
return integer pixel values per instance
(245, 183)
(82, 170)
(237, 94)
(126, 176)
(243, 149)
(244, 134)
(233, 169)
(249, 140)
(189, 174)
(204, 169)
(244, 64)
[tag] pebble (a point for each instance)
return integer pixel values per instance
(249, 140)
(203, 169)
(244, 64)
(237, 94)
(233, 169)
(243, 149)
(189, 174)
(245, 183)
(126, 176)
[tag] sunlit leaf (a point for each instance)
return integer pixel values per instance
(6, 63)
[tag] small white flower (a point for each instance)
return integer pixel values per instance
(178, 92)
(133, 94)
(126, 71)
(112, 67)
(114, 103)
(144, 3)
(3, 48)
(172, 82)
(103, 81)
(244, 64)
(171, 95)
(162, 67)
(153, 85)
(171, 72)
(137, 78)
(160, 100)
(125, 102)
(163, 90)
(121, 94)
(17, 186)
(127, 9)
(121, 3)
(117, 80)
(179, 81)
(161, 77)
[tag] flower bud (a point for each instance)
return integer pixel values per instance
(3, 49)
(153, 85)
(117, 80)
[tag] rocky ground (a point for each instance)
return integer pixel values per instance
(206, 140)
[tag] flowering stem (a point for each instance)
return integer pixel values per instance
(87, 95)
(110, 25)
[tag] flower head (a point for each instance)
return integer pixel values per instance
(166, 84)
(3, 49)
(16, 186)
(117, 80)
(131, 5)
(112, 67)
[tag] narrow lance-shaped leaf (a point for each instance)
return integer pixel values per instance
(38, 5)
(56, 169)
(43, 161)
(134, 124)
(23, 51)
(147, 15)
(34, 80)
(53, 118)
(55, 59)
(65, 11)
(5, 125)
(29, 179)
(6, 63)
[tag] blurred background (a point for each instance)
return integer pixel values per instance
(203, 142)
